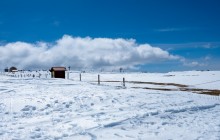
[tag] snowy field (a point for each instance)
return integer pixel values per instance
(151, 106)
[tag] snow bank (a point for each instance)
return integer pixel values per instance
(45, 108)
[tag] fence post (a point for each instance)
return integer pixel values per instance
(67, 74)
(80, 77)
(123, 82)
(98, 79)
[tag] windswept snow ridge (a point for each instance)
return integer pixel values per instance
(44, 108)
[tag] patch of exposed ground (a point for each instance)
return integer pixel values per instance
(181, 87)
(154, 83)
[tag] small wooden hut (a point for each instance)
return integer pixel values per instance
(13, 69)
(58, 72)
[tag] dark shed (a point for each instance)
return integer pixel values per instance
(58, 72)
(6, 69)
(13, 69)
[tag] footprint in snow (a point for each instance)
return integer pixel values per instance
(118, 135)
(28, 108)
(35, 136)
(48, 105)
(37, 129)
(67, 105)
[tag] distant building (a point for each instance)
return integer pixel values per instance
(6, 69)
(58, 72)
(13, 69)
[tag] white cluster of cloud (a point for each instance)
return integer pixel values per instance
(193, 63)
(79, 53)
(172, 29)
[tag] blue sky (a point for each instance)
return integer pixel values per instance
(189, 29)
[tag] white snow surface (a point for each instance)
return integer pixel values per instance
(42, 108)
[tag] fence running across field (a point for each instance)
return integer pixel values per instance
(26, 74)
(114, 80)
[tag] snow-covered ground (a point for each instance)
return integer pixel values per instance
(38, 107)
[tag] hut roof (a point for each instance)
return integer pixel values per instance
(58, 69)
